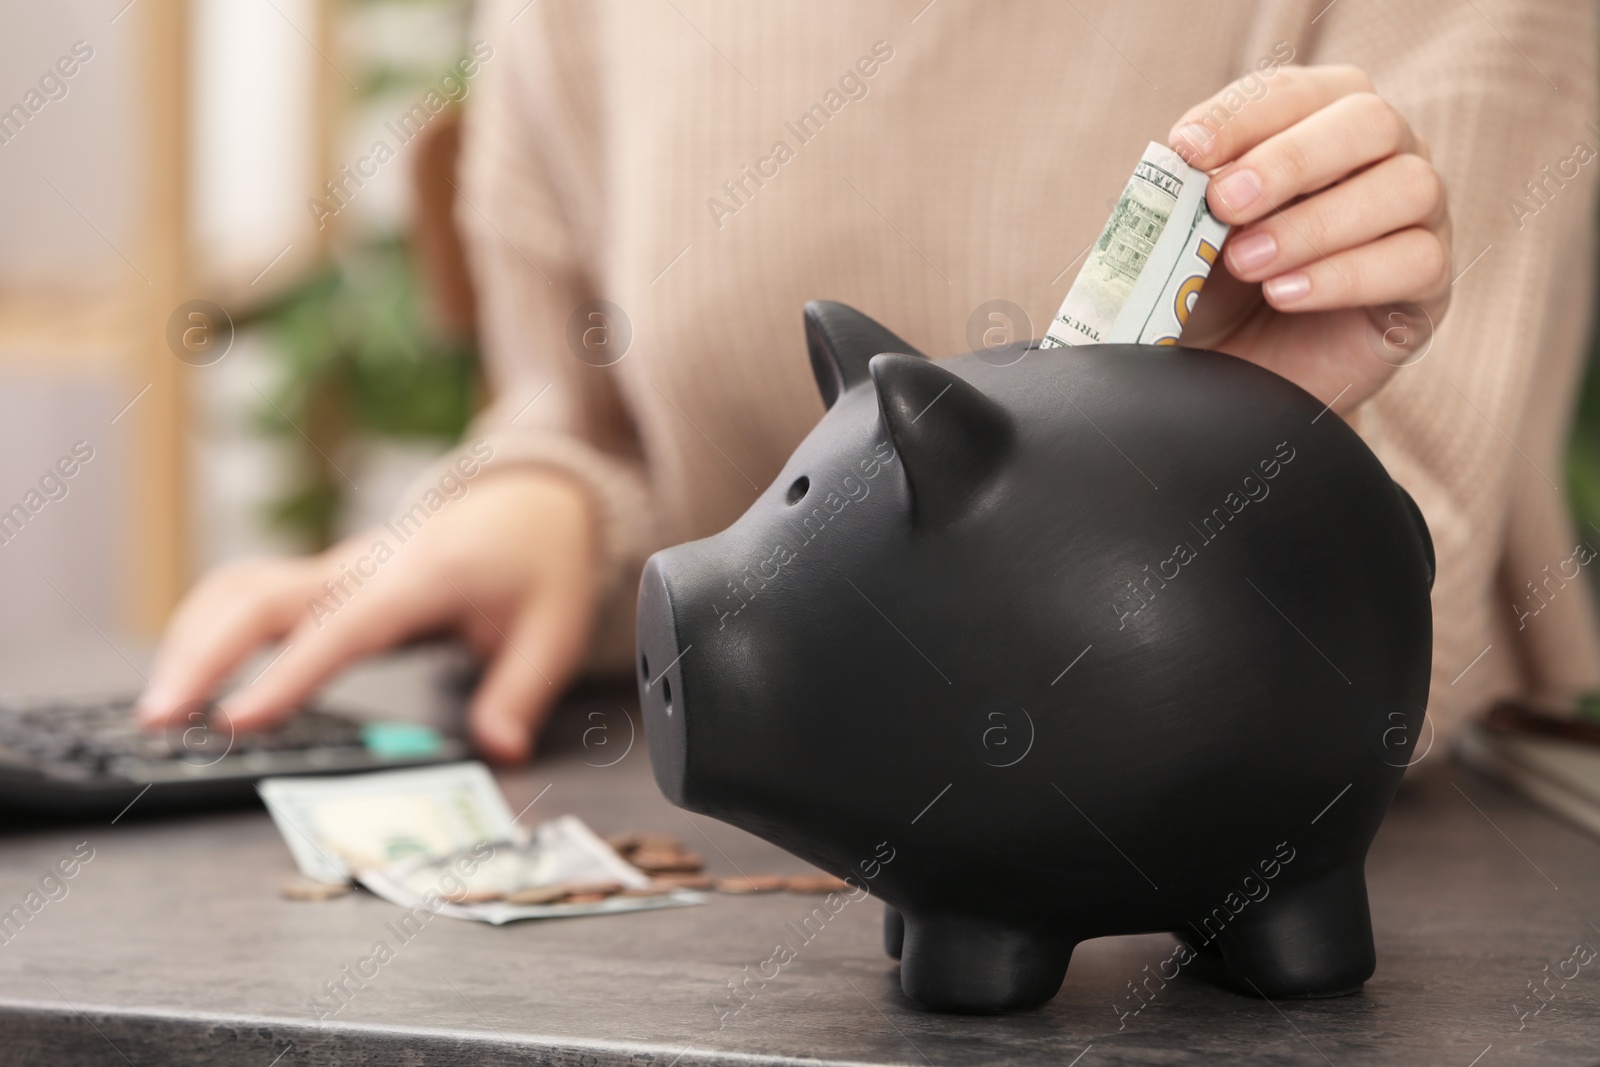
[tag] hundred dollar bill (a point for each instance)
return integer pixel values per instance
(1142, 258)
(334, 826)
(1177, 298)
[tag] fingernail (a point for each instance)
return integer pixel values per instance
(1252, 252)
(1287, 288)
(1193, 136)
(1238, 189)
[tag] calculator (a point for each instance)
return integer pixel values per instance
(89, 756)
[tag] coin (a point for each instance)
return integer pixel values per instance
(309, 889)
(537, 894)
(754, 883)
(585, 898)
(815, 883)
(604, 889)
(658, 860)
(654, 889)
(641, 839)
(684, 881)
(479, 896)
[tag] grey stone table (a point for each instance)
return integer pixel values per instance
(172, 945)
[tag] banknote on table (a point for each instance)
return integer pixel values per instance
(1145, 271)
(560, 852)
(337, 825)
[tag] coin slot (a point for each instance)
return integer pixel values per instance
(797, 490)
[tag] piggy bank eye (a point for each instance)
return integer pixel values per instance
(797, 490)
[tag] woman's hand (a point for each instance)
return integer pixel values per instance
(510, 565)
(1341, 234)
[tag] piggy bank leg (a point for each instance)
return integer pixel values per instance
(958, 964)
(1308, 940)
(1207, 963)
(894, 932)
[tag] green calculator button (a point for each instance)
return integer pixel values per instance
(400, 740)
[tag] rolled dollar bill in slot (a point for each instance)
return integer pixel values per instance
(1144, 273)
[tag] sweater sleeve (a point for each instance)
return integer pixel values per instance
(527, 206)
(1504, 94)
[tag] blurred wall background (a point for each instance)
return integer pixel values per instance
(72, 179)
(249, 360)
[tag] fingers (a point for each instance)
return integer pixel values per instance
(538, 658)
(1214, 132)
(512, 700)
(1410, 265)
(1332, 197)
(1401, 191)
(1343, 137)
(329, 636)
(520, 547)
(226, 618)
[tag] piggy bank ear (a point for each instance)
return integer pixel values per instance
(842, 341)
(949, 436)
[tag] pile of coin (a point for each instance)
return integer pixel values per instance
(574, 893)
(665, 859)
(672, 866)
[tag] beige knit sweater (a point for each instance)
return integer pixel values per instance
(935, 158)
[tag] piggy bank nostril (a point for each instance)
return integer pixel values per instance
(644, 666)
(797, 490)
(666, 693)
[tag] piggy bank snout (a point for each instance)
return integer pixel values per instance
(661, 683)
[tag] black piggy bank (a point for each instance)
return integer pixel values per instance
(1042, 645)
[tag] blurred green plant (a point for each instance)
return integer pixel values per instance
(358, 359)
